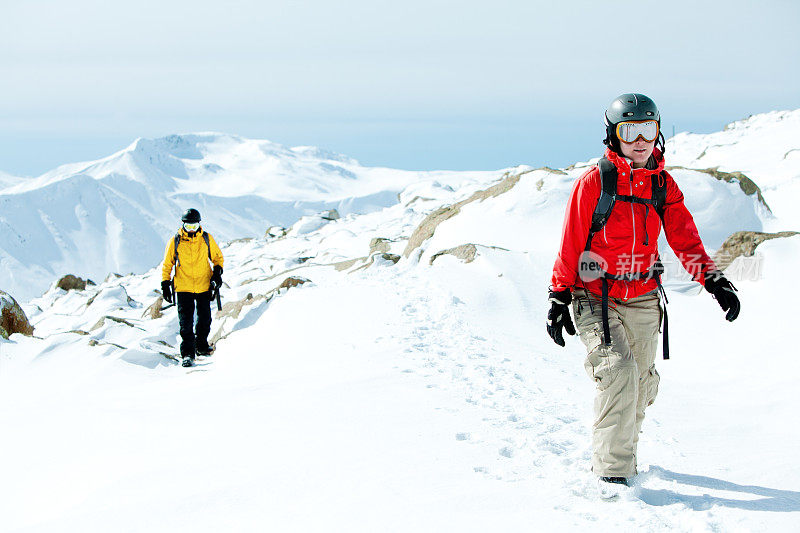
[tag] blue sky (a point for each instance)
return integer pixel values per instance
(413, 84)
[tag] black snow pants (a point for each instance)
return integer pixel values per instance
(194, 338)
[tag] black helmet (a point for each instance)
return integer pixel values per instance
(630, 106)
(191, 216)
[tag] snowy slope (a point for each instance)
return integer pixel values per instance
(418, 396)
(413, 396)
(8, 180)
(764, 147)
(115, 214)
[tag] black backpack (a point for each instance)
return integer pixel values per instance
(177, 239)
(609, 196)
(602, 211)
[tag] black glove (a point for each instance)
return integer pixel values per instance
(216, 278)
(166, 290)
(724, 292)
(558, 316)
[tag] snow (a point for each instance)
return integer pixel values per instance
(414, 396)
(764, 147)
(110, 215)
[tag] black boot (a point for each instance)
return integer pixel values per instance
(618, 480)
(205, 350)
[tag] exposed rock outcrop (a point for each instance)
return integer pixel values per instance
(12, 317)
(292, 281)
(102, 322)
(747, 185)
(744, 243)
(275, 232)
(393, 258)
(465, 252)
(428, 226)
(331, 214)
(379, 244)
(347, 264)
(232, 310)
(73, 283)
(154, 311)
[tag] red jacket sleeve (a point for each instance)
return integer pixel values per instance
(577, 223)
(682, 236)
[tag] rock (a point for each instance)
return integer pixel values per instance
(73, 283)
(744, 243)
(274, 232)
(292, 282)
(465, 252)
(390, 257)
(12, 317)
(331, 214)
(417, 199)
(552, 171)
(232, 309)
(154, 311)
(747, 185)
(379, 244)
(95, 342)
(100, 323)
(428, 226)
(348, 263)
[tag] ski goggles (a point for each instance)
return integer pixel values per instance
(629, 132)
(191, 227)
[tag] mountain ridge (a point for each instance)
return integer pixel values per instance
(132, 199)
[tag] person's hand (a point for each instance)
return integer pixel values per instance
(216, 279)
(725, 294)
(558, 317)
(166, 290)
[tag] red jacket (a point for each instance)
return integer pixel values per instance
(621, 242)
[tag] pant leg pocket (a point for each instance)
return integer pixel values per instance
(653, 379)
(596, 364)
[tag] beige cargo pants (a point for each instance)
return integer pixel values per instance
(625, 373)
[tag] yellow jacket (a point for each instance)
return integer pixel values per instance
(193, 272)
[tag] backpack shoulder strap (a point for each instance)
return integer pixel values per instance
(208, 245)
(608, 195)
(175, 258)
(659, 188)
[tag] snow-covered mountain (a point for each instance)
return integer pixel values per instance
(115, 214)
(403, 380)
(764, 147)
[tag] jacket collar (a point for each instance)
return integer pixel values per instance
(623, 165)
(185, 234)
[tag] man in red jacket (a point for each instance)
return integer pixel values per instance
(608, 267)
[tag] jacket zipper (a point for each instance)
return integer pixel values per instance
(633, 225)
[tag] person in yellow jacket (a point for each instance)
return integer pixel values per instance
(192, 252)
